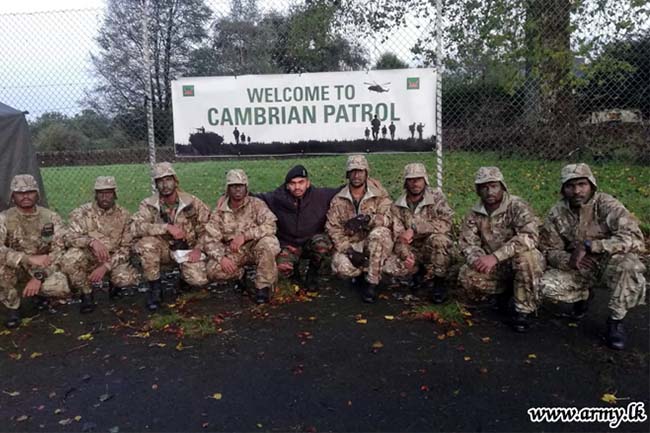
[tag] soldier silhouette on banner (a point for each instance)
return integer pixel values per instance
(420, 128)
(375, 123)
(392, 128)
(236, 134)
(412, 129)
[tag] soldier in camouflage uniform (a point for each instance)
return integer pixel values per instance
(359, 221)
(498, 239)
(99, 242)
(31, 245)
(589, 237)
(422, 232)
(170, 220)
(241, 231)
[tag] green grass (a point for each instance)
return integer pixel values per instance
(537, 181)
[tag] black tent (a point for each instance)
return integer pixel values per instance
(17, 155)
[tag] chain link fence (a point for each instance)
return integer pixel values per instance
(546, 80)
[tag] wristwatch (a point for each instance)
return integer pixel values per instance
(587, 245)
(39, 275)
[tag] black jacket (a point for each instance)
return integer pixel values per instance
(299, 219)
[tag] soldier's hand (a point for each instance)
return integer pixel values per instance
(40, 260)
(357, 259)
(32, 288)
(99, 250)
(285, 268)
(292, 249)
(98, 273)
(409, 262)
(357, 224)
(407, 236)
(579, 253)
(228, 265)
(588, 262)
(485, 264)
(176, 232)
(194, 255)
(236, 243)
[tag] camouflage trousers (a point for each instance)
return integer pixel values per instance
(523, 270)
(154, 251)
(78, 263)
(55, 285)
(622, 274)
(432, 252)
(377, 247)
(260, 253)
(314, 250)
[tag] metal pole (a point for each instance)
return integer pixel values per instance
(148, 91)
(439, 93)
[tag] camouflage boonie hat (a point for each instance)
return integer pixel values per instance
(236, 177)
(105, 182)
(489, 174)
(416, 170)
(163, 169)
(357, 162)
(576, 171)
(24, 183)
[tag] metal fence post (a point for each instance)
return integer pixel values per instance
(439, 93)
(148, 91)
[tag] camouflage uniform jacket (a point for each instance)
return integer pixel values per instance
(431, 216)
(375, 203)
(24, 234)
(511, 229)
(253, 219)
(89, 222)
(603, 220)
(192, 215)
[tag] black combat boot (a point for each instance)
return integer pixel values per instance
(438, 290)
(520, 322)
(368, 291)
(580, 308)
(13, 318)
(87, 303)
(311, 280)
(41, 303)
(155, 295)
(114, 292)
(615, 334)
(263, 295)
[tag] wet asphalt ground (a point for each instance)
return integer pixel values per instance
(327, 363)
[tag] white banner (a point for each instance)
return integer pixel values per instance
(311, 106)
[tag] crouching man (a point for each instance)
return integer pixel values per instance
(591, 239)
(422, 233)
(498, 239)
(99, 243)
(31, 245)
(241, 231)
(168, 221)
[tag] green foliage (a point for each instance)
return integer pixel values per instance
(60, 137)
(536, 180)
(390, 61)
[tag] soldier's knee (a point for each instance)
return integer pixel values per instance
(627, 264)
(268, 245)
(439, 241)
(379, 233)
(146, 245)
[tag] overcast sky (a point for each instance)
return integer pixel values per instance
(45, 49)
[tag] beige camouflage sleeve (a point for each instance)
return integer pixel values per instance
(264, 222)
(626, 234)
(8, 255)
(143, 223)
(439, 218)
(77, 233)
(121, 255)
(203, 218)
(469, 240)
(212, 239)
(526, 232)
(402, 250)
(57, 248)
(334, 226)
(383, 214)
(552, 244)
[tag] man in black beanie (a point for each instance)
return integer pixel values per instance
(301, 210)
